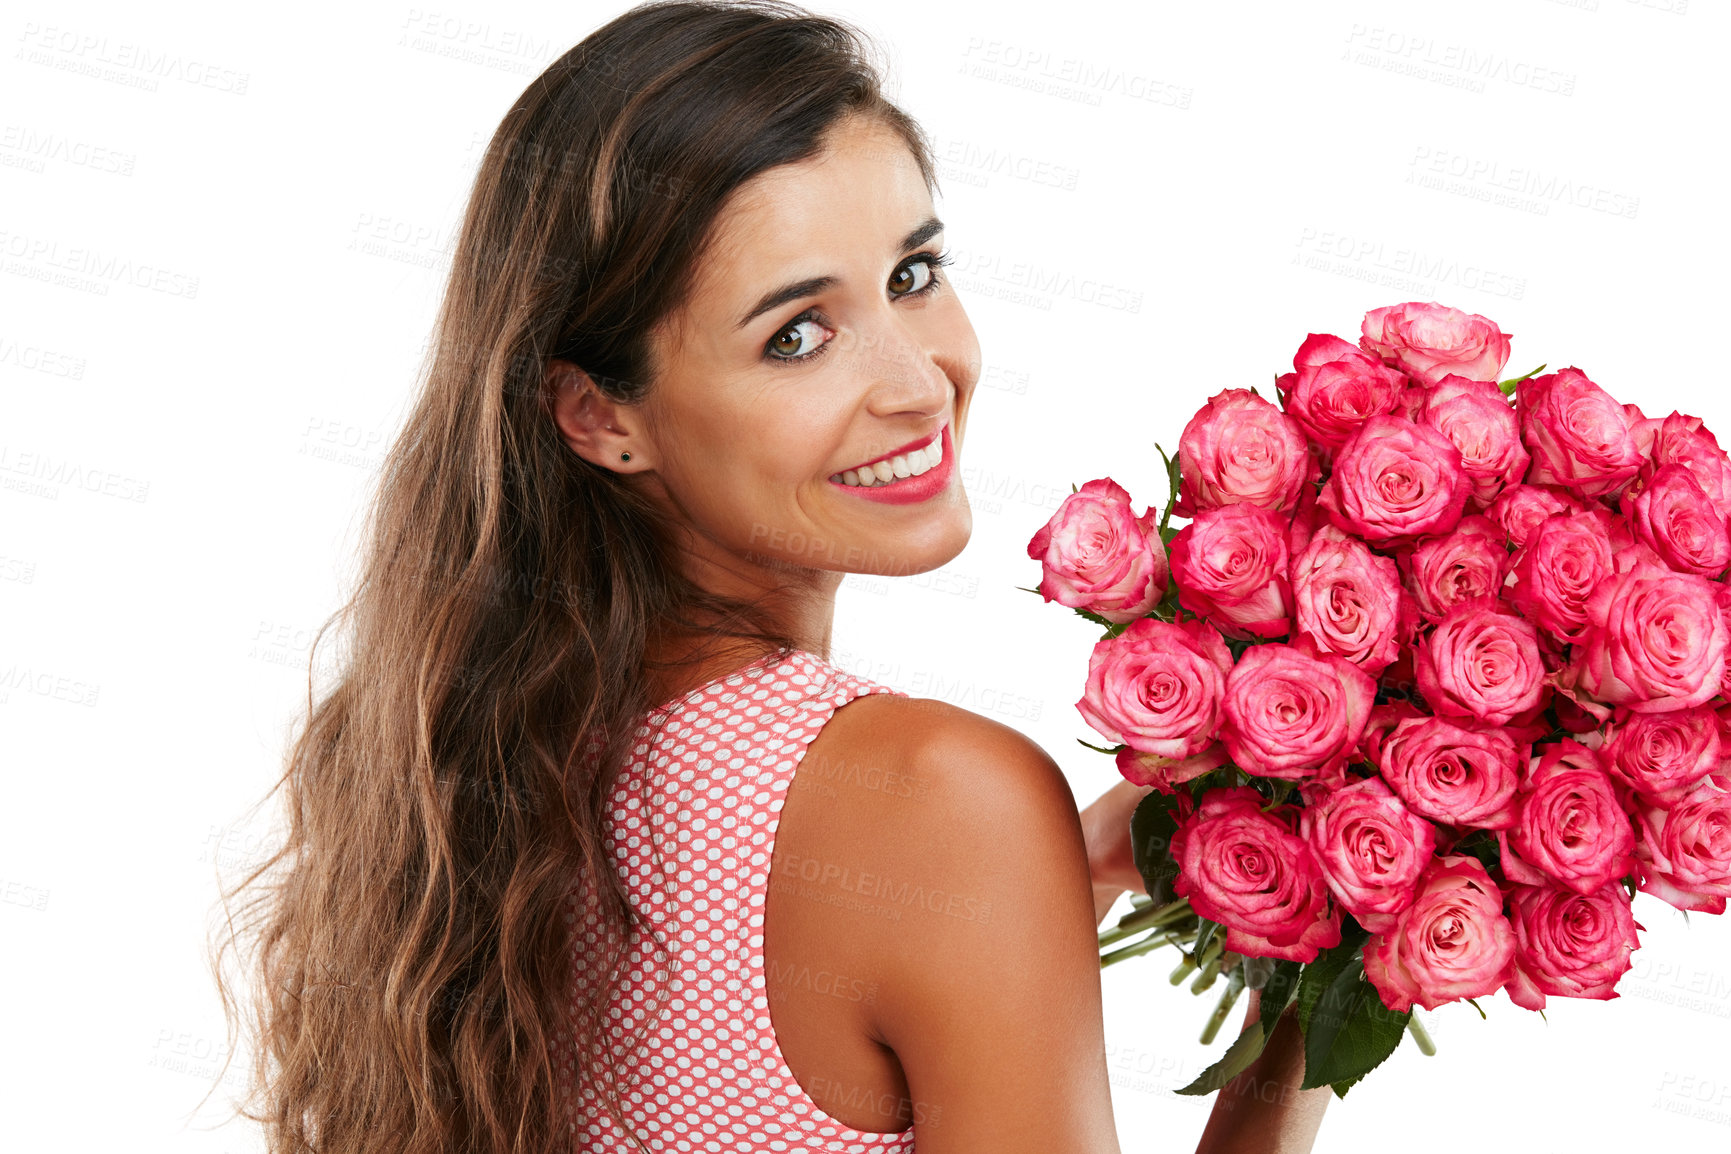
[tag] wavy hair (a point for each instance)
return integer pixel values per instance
(401, 965)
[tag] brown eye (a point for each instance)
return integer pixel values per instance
(907, 280)
(796, 340)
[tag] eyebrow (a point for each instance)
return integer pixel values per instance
(810, 286)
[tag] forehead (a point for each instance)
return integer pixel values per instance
(857, 196)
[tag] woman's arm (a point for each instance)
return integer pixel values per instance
(1106, 830)
(1262, 1111)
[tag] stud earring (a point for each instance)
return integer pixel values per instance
(624, 456)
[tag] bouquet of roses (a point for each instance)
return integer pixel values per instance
(1429, 686)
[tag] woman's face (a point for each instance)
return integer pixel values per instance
(820, 335)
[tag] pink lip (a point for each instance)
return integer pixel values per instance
(909, 490)
(907, 448)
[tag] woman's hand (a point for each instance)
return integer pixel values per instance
(1106, 830)
(1262, 1110)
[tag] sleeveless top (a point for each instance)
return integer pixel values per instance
(691, 830)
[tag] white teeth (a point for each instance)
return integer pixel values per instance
(897, 467)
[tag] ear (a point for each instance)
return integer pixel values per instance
(598, 428)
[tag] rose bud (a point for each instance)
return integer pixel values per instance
(1098, 555)
(1231, 567)
(1569, 945)
(1571, 831)
(1522, 508)
(1479, 421)
(1165, 773)
(1662, 755)
(1251, 872)
(1463, 565)
(1157, 687)
(1564, 560)
(1431, 341)
(1452, 773)
(1396, 481)
(1293, 712)
(1674, 517)
(1349, 600)
(1579, 437)
(1370, 848)
(1451, 942)
(1481, 662)
(1685, 851)
(1240, 448)
(1335, 388)
(1655, 641)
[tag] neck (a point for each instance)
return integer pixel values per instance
(800, 602)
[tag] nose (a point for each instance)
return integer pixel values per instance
(906, 374)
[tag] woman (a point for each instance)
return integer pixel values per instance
(590, 846)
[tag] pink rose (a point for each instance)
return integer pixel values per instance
(1463, 565)
(1571, 832)
(1673, 515)
(1451, 773)
(1451, 942)
(1396, 481)
(1579, 437)
(1431, 341)
(1569, 945)
(1156, 687)
(1294, 712)
(1099, 556)
(1655, 641)
(1685, 851)
(1251, 872)
(1336, 388)
(1370, 848)
(1349, 600)
(1164, 773)
(1231, 567)
(1522, 508)
(1565, 559)
(1681, 440)
(1481, 662)
(1239, 448)
(1662, 755)
(1479, 421)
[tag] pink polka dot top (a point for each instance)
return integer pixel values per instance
(692, 829)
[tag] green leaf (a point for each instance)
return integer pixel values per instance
(1243, 1051)
(1151, 830)
(1508, 386)
(1206, 932)
(1094, 617)
(1278, 992)
(1350, 1031)
(1073, 488)
(1340, 1088)
(1320, 974)
(1113, 750)
(1172, 482)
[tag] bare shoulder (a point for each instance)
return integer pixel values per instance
(957, 840)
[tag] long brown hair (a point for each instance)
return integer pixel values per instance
(406, 948)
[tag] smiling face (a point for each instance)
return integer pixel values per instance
(819, 336)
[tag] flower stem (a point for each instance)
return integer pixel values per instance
(1419, 1035)
(1228, 998)
(1146, 918)
(1209, 964)
(1151, 942)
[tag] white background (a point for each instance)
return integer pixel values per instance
(184, 464)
